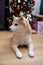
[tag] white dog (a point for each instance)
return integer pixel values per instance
(22, 35)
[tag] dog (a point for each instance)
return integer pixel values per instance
(22, 36)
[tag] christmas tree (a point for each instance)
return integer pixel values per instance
(21, 7)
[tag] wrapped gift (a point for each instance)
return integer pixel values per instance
(39, 27)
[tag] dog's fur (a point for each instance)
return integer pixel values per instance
(22, 35)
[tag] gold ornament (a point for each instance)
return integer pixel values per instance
(18, 1)
(7, 18)
(10, 20)
(21, 13)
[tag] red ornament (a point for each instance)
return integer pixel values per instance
(10, 22)
(30, 10)
(18, 9)
(33, 21)
(33, 1)
(11, 3)
(12, 12)
(23, 4)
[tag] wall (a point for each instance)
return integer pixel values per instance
(37, 7)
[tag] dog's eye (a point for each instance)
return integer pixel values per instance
(16, 24)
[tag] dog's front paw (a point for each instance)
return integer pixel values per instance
(19, 55)
(31, 54)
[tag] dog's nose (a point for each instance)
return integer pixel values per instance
(16, 24)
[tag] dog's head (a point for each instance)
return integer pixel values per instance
(20, 23)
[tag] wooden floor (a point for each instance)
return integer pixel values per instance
(7, 56)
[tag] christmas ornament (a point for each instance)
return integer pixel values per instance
(28, 4)
(10, 22)
(18, 1)
(30, 10)
(11, 3)
(23, 4)
(18, 8)
(33, 20)
(12, 11)
(7, 18)
(21, 13)
(33, 1)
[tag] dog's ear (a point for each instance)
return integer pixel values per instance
(15, 18)
(23, 18)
